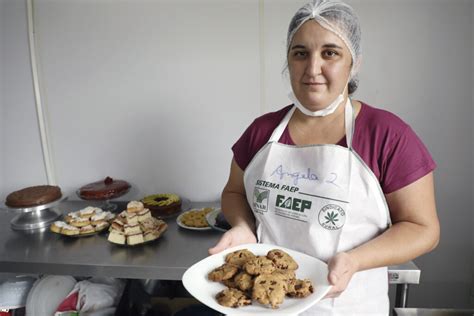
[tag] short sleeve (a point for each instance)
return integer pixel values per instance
(256, 136)
(242, 149)
(407, 160)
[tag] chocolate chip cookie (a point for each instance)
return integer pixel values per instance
(224, 272)
(230, 283)
(300, 288)
(282, 260)
(285, 275)
(269, 290)
(244, 281)
(259, 265)
(239, 257)
(233, 298)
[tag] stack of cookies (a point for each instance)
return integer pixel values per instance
(135, 225)
(266, 279)
(83, 222)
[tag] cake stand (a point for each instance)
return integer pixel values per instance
(106, 204)
(35, 217)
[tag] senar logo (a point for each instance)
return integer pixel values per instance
(293, 204)
(260, 199)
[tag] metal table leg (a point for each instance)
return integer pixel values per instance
(401, 295)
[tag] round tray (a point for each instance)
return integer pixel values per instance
(182, 225)
(35, 217)
(84, 235)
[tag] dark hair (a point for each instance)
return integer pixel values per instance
(353, 85)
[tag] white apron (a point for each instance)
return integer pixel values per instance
(321, 200)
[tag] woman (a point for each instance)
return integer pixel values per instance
(333, 177)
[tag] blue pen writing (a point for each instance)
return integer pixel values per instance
(295, 175)
(333, 179)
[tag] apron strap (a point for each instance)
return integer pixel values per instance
(277, 132)
(349, 118)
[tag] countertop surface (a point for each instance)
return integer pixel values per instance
(167, 258)
(45, 252)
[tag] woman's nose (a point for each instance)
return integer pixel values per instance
(313, 67)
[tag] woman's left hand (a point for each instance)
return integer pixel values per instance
(341, 269)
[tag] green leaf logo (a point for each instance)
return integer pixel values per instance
(262, 196)
(331, 217)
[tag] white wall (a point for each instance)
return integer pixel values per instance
(21, 150)
(2, 93)
(472, 150)
(156, 92)
(151, 92)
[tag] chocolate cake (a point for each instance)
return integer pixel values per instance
(104, 189)
(33, 196)
(162, 205)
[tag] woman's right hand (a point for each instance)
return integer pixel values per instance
(235, 236)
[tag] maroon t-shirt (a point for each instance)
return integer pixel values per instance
(387, 145)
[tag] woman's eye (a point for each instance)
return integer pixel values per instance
(330, 53)
(300, 54)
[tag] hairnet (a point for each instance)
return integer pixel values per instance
(338, 18)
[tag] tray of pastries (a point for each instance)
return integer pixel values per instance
(84, 222)
(135, 226)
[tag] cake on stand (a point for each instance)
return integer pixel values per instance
(104, 191)
(106, 204)
(35, 217)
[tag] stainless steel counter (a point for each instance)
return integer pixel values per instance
(47, 253)
(166, 259)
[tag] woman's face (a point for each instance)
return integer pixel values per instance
(319, 63)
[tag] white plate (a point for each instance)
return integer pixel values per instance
(196, 283)
(47, 293)
(180, 224)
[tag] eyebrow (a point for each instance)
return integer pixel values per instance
(325, 46)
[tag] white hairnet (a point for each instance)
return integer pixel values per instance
(338, 18)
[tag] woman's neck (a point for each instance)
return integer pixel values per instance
(328, 129)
